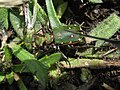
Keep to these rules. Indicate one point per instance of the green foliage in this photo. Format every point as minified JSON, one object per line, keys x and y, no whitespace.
{"x":7,"y":53}
{"x":17,"y":22}
{"x":59,"y":29}
{"x":106,"y":28}
{"x":41,"y":18}
{"x":36,"y":67}
{"x":31,"y":64}
{"x":50,"y":60}
{"x":32,"y":39}
{"x":21,"y":53}
{"x":3,"y":18}
{"x":54,"y":21}
{"x":10,"y":77}
{"x":39,"y":70}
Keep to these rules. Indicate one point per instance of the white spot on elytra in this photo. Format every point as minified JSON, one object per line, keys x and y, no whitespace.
{"x":71,"y":36}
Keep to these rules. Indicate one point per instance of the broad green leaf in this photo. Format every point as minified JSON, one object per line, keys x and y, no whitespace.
{"x":106,"y":29}
{"x":50,"y":60}
{"x":39,"y":70}
{"x":21,"y":53}
{"x":96,"y":1}
{"x":7,"y":53}
{"x":1,"y":77}
{"x":3,"y":18}
{"x":36,"y":67}
{"x":17,"y":22}
{"x":61,"y":9}
{"x":10,"y":77}
{"x":54,"y":21}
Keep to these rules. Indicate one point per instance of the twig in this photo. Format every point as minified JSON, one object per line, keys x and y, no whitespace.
{"x":87,"y":63}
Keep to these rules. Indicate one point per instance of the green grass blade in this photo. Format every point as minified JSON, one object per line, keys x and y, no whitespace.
{"x":41,"y":18}
{"x":35,"y":11}
{"x":54,"y":21}
{"x":42,"y":15}
{"x":17,"y":22}
{"x":21,"y":53}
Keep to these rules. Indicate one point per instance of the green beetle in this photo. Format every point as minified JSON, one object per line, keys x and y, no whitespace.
{"x":62,"y":36}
